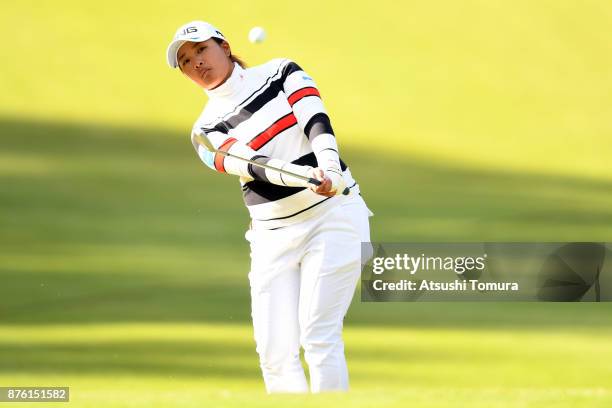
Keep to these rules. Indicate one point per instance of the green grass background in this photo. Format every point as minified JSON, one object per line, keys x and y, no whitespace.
{"x":122,"y":261}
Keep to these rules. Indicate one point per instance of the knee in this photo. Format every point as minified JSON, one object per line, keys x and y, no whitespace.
{"x":319,"y":351}
{"x":275,"y":360}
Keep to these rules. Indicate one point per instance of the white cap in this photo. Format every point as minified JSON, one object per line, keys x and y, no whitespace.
{"x":195,"y":31}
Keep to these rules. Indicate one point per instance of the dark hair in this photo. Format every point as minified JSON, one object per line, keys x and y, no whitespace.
{"x":233,"y":57}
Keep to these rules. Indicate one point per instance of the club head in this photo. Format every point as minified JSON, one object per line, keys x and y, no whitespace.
{"x":203,"y":140}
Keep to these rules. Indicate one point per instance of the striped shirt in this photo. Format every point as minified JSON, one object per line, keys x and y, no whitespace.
{"x":271,"y":110}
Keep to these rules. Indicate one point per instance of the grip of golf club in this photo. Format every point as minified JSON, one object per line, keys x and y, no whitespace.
{"x":314,"y":181}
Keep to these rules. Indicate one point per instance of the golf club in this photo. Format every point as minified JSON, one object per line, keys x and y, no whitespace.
{"x":203,"y":140}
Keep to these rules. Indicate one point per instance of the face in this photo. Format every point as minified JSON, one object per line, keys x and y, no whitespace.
{"x":206,"y":63}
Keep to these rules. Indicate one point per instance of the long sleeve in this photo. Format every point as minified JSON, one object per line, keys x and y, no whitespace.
{"x":231,"y":165}
{"x":305,"y":100}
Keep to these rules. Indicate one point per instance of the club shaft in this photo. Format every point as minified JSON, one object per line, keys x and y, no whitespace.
{"x":265,"y":166}
{"x":205,"y":142}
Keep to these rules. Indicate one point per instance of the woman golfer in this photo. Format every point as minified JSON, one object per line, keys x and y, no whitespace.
{"x":305,"y":239}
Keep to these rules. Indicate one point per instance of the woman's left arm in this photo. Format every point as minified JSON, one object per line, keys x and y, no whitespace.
{"x":305,"y":100}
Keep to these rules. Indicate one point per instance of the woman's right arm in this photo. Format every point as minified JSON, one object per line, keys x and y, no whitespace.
{"x":230,"y":165}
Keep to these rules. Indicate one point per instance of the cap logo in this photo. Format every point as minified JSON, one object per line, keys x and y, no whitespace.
{"x":189,"y":30}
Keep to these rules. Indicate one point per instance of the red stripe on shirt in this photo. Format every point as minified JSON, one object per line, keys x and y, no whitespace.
{"x":264,"y":137}
{"x":302,"y":93}
{"x":219,"y":158}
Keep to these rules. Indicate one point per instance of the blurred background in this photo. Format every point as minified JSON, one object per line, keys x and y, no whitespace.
{"x":123,"y":266}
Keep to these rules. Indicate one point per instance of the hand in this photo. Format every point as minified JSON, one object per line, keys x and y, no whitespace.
{"x":325,"y":189}
{"x":337,"y":179}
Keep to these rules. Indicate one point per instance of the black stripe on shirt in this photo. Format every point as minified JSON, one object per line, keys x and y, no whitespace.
{"x":298,"y":212}
{"x":305,"y":209}
{"x":318,"y":124}
{"x":258,"y":173}
{"x":289,"y":69}
{"x":311,"y":160}
{"x":256,"y":104}
{"x":259,"y":192}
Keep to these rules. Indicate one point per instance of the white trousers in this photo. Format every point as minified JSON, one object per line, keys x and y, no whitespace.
{"x":302,"y":281}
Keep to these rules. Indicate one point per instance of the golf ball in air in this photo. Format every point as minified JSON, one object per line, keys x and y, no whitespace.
{"x":257,"y":35}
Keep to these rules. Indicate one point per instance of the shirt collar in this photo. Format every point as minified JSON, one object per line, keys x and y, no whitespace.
{"x":232,"y":85}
